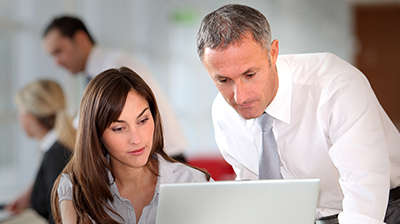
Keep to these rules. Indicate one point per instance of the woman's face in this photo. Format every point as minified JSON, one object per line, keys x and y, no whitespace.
{"x":28,"y":122}
{"x":129,"y":139}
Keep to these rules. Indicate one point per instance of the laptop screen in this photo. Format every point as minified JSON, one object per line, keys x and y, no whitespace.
{"x":238,"y":202}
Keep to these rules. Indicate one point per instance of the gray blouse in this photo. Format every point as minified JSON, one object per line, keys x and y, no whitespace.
{"x":168,"y":173}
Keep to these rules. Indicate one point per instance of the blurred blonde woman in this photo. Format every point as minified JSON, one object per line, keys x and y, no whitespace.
{"x":42,"y":113}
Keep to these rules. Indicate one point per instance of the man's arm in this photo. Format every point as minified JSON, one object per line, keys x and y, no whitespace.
{"x":220,"y":117}
{"x":358,"y":151}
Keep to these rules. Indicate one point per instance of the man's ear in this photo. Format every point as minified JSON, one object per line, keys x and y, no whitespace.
{"x":80,"y":37}
{"x":274,"y":51}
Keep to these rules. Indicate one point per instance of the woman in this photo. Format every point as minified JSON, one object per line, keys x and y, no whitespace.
{"x":119,"y":160}
{"x":41,"y":108}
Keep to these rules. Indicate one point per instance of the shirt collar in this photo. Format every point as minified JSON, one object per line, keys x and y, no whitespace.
{"x":92,"y":64}
{"x":113,"y":188}
{"x":47,"y":141}
{"x":280,"y":107}
{"x":165,"y":175}
{"x":165,"y":171}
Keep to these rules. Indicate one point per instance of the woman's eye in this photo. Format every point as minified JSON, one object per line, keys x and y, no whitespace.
{"x":117,"y":129}
{"x":143,"y":121}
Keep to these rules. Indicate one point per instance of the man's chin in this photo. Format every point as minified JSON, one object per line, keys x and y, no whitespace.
{"x":248,"y":113}
{"x":72,"y":71}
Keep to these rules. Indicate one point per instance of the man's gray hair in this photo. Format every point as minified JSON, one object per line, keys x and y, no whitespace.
{"x":229,"y":24}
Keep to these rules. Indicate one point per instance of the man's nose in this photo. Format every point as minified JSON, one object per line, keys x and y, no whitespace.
{"x":58,"y":61}
{"x":240,"y":92}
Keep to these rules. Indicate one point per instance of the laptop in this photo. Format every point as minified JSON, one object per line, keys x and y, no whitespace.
{"x":4,"y":215}
{"x":238,"y":202}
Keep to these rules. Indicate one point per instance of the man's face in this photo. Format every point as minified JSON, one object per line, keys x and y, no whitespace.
{"x":244,"y":75}
{"x":65,"y":51}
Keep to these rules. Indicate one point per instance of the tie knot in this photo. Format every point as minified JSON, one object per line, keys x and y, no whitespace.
{"x":265,"y":122}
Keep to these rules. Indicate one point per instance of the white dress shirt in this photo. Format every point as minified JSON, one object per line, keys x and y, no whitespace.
{"x":328,"y":125}
{"x":44,"y":145}
{"x":101,"y":59}
{"x":47,"y":141}
{"x":168,"y":173}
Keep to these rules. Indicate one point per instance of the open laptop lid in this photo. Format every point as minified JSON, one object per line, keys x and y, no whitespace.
{"x":238,"y":202}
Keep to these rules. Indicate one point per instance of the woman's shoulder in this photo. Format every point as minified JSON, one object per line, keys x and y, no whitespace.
{"x":176,"y":172}
{"x":185,"y":173}
{"x":64,"y":189}
{"x":65,"y":179}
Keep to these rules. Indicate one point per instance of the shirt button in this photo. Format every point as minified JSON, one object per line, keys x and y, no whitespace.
{"x":281,"y":164}
{"x":322,"y":209}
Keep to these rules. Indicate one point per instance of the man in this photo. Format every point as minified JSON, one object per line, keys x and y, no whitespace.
{"x":72,"y":47}
{"x":326,"y":121}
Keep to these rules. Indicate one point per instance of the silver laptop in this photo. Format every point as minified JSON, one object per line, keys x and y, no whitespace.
{"x":4,"y":215}
{"x":238,"y":202}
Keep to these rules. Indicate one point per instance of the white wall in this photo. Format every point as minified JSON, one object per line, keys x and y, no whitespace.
{"x":161,"y":33}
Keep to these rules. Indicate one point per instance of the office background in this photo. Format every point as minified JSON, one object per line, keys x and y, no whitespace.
{"x":162,"y":35}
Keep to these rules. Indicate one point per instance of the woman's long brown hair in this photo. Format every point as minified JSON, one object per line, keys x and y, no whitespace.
{"x":102,"y":104}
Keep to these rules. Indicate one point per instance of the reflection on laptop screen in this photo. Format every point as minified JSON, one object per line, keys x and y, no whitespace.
{"x":234,"y":202}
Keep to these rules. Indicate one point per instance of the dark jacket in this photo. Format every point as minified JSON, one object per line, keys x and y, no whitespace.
{"x":54,"y":161}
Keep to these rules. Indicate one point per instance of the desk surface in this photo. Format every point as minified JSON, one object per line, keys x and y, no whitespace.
{"x":29,"y":216}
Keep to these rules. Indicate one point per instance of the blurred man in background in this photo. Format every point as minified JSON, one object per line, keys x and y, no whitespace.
{"x":69,"y":42}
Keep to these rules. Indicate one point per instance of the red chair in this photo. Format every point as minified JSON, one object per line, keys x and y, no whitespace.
{"x":215,"y":165}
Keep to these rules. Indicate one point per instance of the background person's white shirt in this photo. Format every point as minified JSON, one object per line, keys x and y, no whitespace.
{"x":44,"y":145}
{"x":329,"y":125}
{"x":101,"y":59}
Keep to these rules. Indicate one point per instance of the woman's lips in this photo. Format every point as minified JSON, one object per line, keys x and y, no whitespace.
{"x":137,"y":152}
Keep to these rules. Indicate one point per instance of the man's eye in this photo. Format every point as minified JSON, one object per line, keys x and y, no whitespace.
{"x":250,"y":75}
{"x":223,"y":80}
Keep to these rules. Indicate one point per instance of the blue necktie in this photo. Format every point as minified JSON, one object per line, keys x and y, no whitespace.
{"x":269,"y":166}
